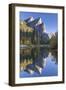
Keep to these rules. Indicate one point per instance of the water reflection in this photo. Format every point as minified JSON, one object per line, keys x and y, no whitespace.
{"x":35,"y":62}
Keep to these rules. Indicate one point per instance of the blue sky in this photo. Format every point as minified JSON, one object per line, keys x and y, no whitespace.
{"x":49,"y":19}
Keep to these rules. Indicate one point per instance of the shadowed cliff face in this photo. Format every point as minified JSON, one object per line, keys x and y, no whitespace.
{"x":37,"y":58}
{"x":32,"y":31}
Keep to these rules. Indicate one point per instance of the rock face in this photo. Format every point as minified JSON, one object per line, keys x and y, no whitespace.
{"x":36,"y":24}
{"x":30,"y":19}
{"x":33,"y":31}
{"x":32,"y":23}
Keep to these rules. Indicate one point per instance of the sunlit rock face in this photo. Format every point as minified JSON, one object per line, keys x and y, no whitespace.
{"x":33,"y":29}
{"x":30,"y":19}
{"x":35,"y":23}
{"x":39,"y":21}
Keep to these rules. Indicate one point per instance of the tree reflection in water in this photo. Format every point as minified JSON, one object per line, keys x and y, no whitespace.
{"x":34,"y":60}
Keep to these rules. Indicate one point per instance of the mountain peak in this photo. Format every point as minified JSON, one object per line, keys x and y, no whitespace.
{"x":39,"y":21}
{"x":36,"y":23}
{"x":30,"y":19}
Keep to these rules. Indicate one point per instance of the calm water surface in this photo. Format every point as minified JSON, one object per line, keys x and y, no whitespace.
{"x":38,"y":62}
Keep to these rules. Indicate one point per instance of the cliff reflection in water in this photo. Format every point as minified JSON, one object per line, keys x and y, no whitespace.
{"x":35,"y":62}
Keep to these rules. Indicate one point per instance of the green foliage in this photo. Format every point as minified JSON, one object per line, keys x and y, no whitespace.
{"x":31,"y":36}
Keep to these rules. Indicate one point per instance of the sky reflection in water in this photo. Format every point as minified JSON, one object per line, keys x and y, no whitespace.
{"x":38,"y":62}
